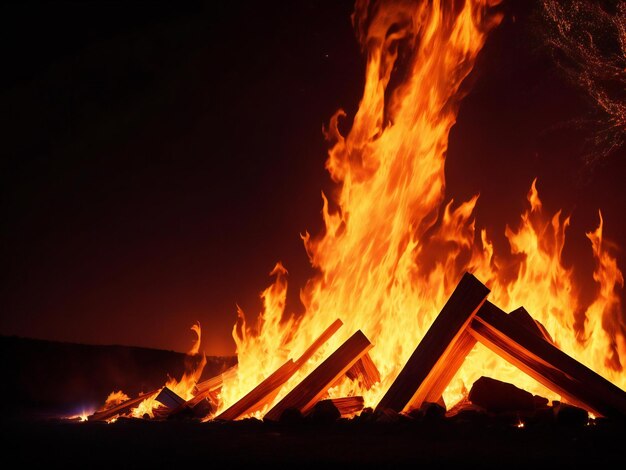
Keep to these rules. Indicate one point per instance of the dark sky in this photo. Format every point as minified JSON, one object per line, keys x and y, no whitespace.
{"x":158,"y":159}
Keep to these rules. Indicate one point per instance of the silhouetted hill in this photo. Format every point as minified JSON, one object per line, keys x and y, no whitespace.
{"x":48,"y":378}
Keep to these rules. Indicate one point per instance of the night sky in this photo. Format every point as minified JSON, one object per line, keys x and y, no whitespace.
{"x":159,"y":159}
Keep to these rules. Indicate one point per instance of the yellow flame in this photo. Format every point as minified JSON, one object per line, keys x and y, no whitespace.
{"x":394,"y":250}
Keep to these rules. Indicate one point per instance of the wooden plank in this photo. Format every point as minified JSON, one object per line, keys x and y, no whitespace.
{"x":315,"y":385}
{"x":365,"y":371}
{"x":122,"y":408}
{"x":214,"y":383}
{"x":456,"y":357}
{"x":323,"y":338}
{"x":440,"y":353}
{"x":169,"y":398}
{"x":547,"y":364}
{"x":268,"y":389}
{"x":347,"y":406}
{"x":250,"y":402}
{"x":205,"y":395}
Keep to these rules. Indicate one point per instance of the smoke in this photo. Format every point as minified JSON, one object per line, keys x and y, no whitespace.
{"x":587,"y":39}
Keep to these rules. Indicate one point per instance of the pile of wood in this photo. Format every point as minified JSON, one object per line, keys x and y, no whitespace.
{"x":466,"y":318}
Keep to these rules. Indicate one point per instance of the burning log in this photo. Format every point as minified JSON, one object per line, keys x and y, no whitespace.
{"x":440,"y":353}
{"x":267,"y":390}
{"x":366,"y":371}
{"x":547,"y":364}
{"x":122,"y":408}
{"x":169,"y":398}
{"x":304,"y":396}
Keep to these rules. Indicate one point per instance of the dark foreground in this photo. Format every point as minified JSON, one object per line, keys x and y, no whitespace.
{"x":149,"y":444}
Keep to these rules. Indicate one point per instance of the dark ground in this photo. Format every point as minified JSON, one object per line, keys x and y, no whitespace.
{"x":157,"y":444}
{"x":44,"y":380}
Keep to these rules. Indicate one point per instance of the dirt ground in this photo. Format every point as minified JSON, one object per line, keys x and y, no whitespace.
{"x":143,"y":444}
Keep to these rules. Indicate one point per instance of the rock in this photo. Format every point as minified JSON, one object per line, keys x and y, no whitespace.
{"x":291,"y":416}
{"x":324,"y":412}
{"x":540,"y":402}
{"x":466,"y":412}
{"x":499,"y":397}
{"x":570,"y":415}
{"x":365,"y":416}
{"x":429,"y":412}
{"x":386,"y":416}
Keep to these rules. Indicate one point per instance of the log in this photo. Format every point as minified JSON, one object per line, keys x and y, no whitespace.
{"x":365,"y":371}
{"x":268,"y":389}
{"x":440,"y":353}
{"x":547,"y":364}
{"x":304,"y":396}
{"x":122,"y":408}
{"x":169,"y":398}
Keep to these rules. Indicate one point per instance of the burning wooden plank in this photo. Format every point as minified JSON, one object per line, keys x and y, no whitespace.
{"x":203,"y":401}
{"x":255,"y":398}
{"x":267,"y":390}
{"x":122,"y":408}
{"x":547,"y":364}
{"x":214,"y":383}
{"x":347,"y":406}
{"x":325,"y":336}
{"x":313,"y":387}
{"x":169,"y":398}
{"x":440,"y":353}
{"x":366,"y":371}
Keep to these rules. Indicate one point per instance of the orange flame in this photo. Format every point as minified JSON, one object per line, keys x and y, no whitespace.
{"x":390,"y":256}
{"x":184,"y":387}
{"x":114,"y":399}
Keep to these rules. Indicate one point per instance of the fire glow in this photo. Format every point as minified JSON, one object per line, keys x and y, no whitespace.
{"x":394,"y":248}
{"x":392,"y":253}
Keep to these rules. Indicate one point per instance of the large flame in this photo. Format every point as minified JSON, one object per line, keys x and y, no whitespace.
{"x":394,"y":250}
